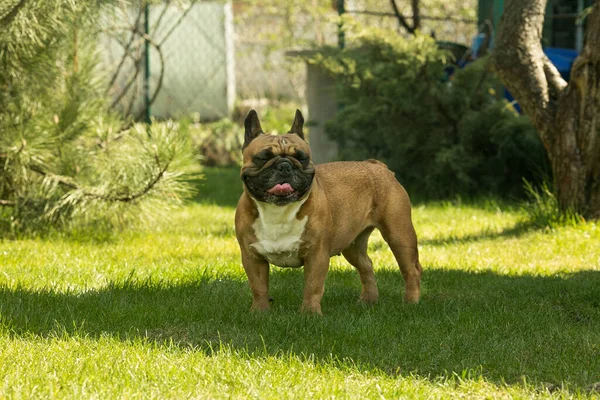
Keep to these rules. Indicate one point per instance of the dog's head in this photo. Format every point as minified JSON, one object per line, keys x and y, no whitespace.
{"x":276,"y":169}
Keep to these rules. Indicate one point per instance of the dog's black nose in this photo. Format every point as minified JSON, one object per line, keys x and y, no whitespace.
{"x":284,"y":166}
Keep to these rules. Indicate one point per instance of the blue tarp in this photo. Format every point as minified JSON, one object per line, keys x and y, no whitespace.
{"x":562,"y":59}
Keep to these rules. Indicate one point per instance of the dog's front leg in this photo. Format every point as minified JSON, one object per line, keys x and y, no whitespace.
{"x":315,"y":272}
{"x":257,"y":270}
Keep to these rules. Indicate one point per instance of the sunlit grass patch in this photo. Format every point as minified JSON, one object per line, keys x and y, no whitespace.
{"x":508,"y":311}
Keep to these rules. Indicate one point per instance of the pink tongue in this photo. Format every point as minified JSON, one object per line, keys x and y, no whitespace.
{"x":281,"y":189}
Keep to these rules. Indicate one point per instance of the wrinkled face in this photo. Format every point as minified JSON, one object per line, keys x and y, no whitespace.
{"x":277,"y":169}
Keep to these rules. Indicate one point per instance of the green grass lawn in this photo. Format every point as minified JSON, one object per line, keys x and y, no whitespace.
{"x":507,"y":311}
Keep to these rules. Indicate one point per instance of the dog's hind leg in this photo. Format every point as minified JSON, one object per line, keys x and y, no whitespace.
{"x":398,"y":231}
{"x":356,"y":254}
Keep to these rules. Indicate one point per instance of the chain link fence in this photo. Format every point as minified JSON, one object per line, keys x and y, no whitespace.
{"x":171,"y":60}
{"x":451,"y":21}
{"x":205,"y":55}
{"x":263,"y":70}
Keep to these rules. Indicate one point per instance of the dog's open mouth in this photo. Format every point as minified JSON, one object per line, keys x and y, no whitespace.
{"x":281,"y":190}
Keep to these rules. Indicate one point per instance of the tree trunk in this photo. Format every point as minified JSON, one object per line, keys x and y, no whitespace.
{"x":566,"y":116}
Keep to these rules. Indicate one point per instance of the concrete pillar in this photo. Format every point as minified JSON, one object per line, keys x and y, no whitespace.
{"x":322,"y":106}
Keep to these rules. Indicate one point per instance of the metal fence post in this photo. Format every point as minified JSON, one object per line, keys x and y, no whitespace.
{"x":341,"y":35}
{"x":147,"y":63}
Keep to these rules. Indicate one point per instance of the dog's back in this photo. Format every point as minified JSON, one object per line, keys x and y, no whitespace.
{"x":371,"y":180}
{"x":361,"y":194}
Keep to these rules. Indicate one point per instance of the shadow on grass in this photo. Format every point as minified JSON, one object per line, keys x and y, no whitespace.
{"x":543,"y":329}
{"x":516,"y":231}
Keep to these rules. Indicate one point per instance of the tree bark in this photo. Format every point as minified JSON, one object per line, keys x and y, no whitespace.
{"x":565,"y":115}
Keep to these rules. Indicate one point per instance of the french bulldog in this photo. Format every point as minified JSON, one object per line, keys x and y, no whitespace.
{"x":293,"y":213}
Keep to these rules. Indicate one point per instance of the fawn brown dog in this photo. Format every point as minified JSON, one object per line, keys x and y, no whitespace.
{"x":293,"y":213}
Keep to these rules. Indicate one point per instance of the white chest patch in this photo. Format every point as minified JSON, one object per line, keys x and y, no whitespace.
{"x":278,"y":233}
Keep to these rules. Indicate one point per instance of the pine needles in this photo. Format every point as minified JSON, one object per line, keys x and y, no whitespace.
{"x":64,"y":156}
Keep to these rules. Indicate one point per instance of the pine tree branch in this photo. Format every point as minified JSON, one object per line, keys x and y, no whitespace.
{"x":124,"y":198}
{"x":62,"y":180}
{"x":131,"y":197}
{"x":8,"y":18}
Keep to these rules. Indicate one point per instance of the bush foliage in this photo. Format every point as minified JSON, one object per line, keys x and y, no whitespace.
{"x":442,"y":137}
{"x":217,"y":144}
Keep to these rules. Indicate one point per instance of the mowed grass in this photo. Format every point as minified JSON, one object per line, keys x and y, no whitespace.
{"x":507,"y":311}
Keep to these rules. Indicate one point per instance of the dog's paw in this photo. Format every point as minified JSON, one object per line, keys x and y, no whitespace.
{"x":263,"y":306}
{"x":369,"y":297}
{"x":412,"y":296}
{"x":308,"y":308}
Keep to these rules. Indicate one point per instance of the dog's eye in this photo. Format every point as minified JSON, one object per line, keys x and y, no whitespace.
{"x":263,"y":156}
{"x":301,"y":156}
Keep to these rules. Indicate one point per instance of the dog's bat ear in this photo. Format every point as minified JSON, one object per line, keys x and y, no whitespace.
{"x":252,"y":126}
{"x":298,"y":124}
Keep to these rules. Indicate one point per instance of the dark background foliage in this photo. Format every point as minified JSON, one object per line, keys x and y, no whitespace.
{"x":442,"y":135}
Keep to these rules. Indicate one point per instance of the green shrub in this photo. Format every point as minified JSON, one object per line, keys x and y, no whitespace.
{"x":543,"y":209}
{"x":277,"y":118}
{"x":441,"y":137}
{"x":217,"y":144}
